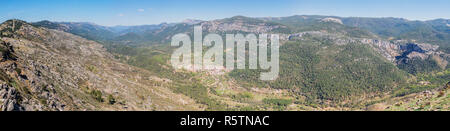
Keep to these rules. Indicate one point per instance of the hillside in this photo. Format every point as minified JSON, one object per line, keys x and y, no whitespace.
{"x":44,"y":69}
{"x":87,"y":30}
{"x":319,"y":69}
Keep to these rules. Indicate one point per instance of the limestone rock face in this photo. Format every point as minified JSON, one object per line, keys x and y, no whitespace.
{"x":8,"y":98}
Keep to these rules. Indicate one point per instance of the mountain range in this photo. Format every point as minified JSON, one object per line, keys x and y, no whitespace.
{"x":327,"y":63}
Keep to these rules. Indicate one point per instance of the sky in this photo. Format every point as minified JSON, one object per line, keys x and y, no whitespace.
{"x":141,"y":12}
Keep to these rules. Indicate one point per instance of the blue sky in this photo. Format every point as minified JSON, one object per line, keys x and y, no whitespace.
{"x":139,"y":12}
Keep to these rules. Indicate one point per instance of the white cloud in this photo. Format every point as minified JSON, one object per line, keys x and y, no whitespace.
{"x":141,"y":10}
{"x":120,"y":15}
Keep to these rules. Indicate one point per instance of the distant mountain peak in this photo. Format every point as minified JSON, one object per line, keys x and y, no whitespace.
{"x":239,"y":16}
{"x":13,"y":22}
{"x":17,"y":28}
{"x":191,"y":21}
{"x":52,"y":25}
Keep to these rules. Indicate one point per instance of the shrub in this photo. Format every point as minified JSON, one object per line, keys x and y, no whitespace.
{"x":92,"y":68}
{"x":278,"y":102}
{"x":441,"y":94}
{"x":111,"y":100}
{"x":97,"y":95}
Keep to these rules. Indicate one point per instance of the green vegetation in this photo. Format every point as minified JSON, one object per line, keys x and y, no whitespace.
{"x":91,"y":68}
{"x":320,"y":70}
{"x":97,"y":95}
{"x":111,"y":100}
{"x":200,"y":94}
{"x":425,"y":81}
{"x":43,"y":101}
{"x":279,"y":104}
{"x":244,"y":96}
{"x":438,"y":100}
{"x":413,"y":89}
{"x":417,"y":65}
{"x":155,"y":59}
{"x":438,"y":78}
{"x":19,"y":71}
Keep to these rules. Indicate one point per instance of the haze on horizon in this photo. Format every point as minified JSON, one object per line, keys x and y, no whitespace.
{"x":139,"y":12}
